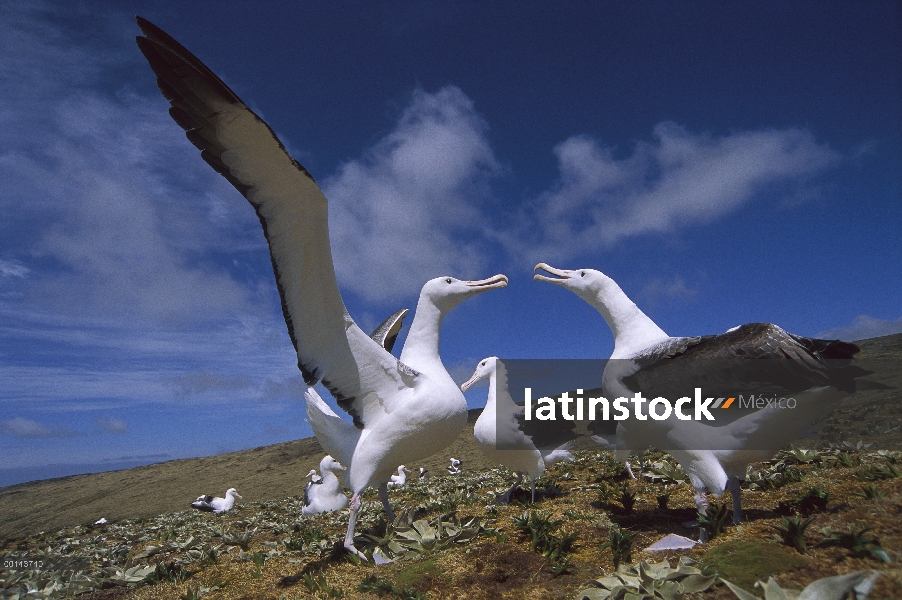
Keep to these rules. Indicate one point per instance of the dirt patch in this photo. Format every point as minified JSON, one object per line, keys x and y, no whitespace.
{"x":501,"y":569}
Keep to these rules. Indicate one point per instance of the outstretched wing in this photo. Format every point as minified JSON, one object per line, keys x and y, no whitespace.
{"x":294,"y":214}
{"x":777,"y":363}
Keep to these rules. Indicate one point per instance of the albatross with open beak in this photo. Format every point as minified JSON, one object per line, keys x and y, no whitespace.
{"x":816,"y":373}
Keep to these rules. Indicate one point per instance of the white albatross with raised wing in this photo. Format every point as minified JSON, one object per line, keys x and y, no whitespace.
{"x":816,"y":372}
{"x":404,"y":409}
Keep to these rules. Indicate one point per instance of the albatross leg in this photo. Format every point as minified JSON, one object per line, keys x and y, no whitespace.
{"x":533,"y":480}
{"x":629,"y":469}
{"x":352,"y":523}
{"x":701,"y":502}
{"x":506,"y":496}
{"x":733,"y":484}
{"x":383,"y":495}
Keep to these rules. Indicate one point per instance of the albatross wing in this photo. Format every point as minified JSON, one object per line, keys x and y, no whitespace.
{"x":293,"y":211}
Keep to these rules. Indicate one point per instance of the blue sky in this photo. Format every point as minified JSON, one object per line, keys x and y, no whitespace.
{"x":725,"y":162}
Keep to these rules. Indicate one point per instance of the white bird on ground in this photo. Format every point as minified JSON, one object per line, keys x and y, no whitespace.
{"x":217,"y":505}
{"x":424,"y":473}
{"x":454,"y":467}
{"x":324,"y":494}
{"x":404,"y":410}
{"x":314,"y":477}
{"x":498,"y":434}
{"x":399,"y":479}
{"x":815,"y":372}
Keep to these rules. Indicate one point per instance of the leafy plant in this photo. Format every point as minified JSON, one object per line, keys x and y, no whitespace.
{"x":800,"y":456}
{"x":562,"y":568}
{"x":621,"y":545}
{"x":668,"y":472}
{"x":539,"y":528}
{"x":258,"y":558}
{"x":793,"y":532}
{"x":855,"y":541}
{"x":714,"y":521}
{"x":890,"y":471}
{"x":383,"y":587}
{"x":664,"y":497}
{"x":170,"y":571}
{"x":627,"y":498}
{"x":318,"y":586}
{"x":650,"y":581}
{"x":409,"y":535}
{"x":847,"y":460}
{"x":191,"y":594}
{"x":858,"y":584}
{"x":380,"y":587}
{"x":814,"y":500}
{"x":871,"y":492}
{"x":242,"y":540}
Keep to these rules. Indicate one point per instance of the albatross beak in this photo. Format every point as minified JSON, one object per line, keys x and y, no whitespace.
{"x":496,"y":281}
{"x":469,"y":382}
{"x":561,"y":273}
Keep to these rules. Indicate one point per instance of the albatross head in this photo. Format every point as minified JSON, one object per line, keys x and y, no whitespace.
{"x":447,"y":292}
{"x":485,"y":368}
{"x":588,"y":284}
{"x":233,"y":492}
{"x":330,"y":464}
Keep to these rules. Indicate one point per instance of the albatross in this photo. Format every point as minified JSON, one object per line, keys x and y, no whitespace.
{"x":403,"y":409}
{"x":498,"y":434}
{"x":401,"y":478}
{"x":324,"y":494}
{"x":217,"y":505}
{"x":815,"y":372}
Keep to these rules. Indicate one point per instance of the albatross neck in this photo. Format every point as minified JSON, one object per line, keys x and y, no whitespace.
{"x":633,"y":330}
{"x":421,"y":348}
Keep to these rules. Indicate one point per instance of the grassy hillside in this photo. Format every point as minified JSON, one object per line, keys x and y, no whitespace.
{"x":264,"y":548}
{"x":264,"y":473}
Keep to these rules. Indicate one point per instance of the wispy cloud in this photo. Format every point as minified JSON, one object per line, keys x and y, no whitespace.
{"x":12,"y":268}
{"x":108,"y":424}
{"x":863,"y":327}
{"x":674,"y":288}
{"x":112,"y":286}
{"x":407,"y":211}
{"x":20,"y":427}
{"x":676,"y":180}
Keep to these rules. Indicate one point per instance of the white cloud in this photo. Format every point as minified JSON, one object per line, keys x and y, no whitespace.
{"x":406,"y":212}
{"x":863,"y":327}
{"x":672,"y":289}
{"x":12,"y":268}
{"x":26,"y":428}
{"x":113,"y":287}
{"x":109,"y":424}
{"x":678,"y":179}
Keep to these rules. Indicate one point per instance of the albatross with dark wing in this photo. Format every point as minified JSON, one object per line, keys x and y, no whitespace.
{"x":216,"y":505}
{"x":817,"y":373}
{"x":406,"y":409}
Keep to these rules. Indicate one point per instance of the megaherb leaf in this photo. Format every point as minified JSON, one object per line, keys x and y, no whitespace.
{"x":649,"y":581}
{"x":420,"y":536}
{"x":840,"y":587}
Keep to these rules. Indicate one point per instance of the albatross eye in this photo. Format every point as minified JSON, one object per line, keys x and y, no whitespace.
{"x":448,"y":280}
{"x":582,"y":273}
